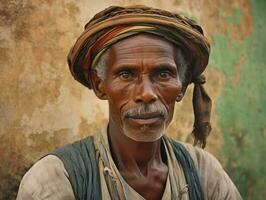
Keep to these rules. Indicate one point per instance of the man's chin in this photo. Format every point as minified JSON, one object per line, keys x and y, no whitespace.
{"x":144,"y":133}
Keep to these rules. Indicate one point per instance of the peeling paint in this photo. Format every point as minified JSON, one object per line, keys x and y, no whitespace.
{"x":63,"y":113}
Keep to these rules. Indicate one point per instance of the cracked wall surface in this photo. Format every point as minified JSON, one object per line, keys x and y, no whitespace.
{"x":42,"y":107}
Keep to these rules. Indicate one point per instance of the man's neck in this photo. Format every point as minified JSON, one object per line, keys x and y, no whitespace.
{"x":139,"y":163}
{"x":133,"y":156}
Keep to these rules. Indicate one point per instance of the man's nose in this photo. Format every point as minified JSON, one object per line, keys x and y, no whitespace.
{"x":145,"y":91}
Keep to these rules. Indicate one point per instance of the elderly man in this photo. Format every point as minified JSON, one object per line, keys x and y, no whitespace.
{"x":141,"y":61}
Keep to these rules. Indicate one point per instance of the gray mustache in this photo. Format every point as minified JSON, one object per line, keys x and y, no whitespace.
{"x":144,"y":110}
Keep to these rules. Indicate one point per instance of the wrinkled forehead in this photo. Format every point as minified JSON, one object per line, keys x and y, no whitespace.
{"x":142,"y":39}
{"x":143,"y":46}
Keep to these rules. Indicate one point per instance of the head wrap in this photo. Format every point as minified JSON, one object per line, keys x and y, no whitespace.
{"x":116,"y":23}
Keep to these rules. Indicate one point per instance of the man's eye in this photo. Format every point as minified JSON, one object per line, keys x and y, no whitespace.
{"x":125,"y":75}
{"x":164,"y":75}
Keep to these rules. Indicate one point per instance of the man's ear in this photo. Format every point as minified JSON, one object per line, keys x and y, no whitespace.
{"x":98,"y":85}
{"x":185,"y":83}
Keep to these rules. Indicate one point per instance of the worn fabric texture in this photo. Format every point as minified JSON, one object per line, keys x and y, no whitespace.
{"x":116,"y":23}
{"x":80,"y":162}
{"x":182,"y":175}
{"x":49,"y":179}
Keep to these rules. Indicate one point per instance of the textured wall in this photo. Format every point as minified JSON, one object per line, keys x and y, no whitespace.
{"x":42,"y":107}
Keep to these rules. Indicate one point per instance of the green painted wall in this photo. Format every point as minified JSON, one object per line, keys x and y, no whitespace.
{"x":242,"y":104}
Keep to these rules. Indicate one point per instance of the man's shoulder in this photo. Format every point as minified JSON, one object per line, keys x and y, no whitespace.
{"x":77,"y":146}
{"x":79,"y":156}
{"x":47,"y":177}
{"x":205,"y":163}
{"x":198,"y":155}
{"x":55,"y":173}
{"x":215,"y":182}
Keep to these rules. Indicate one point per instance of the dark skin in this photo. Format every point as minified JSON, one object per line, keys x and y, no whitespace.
{"x":141,"y":69}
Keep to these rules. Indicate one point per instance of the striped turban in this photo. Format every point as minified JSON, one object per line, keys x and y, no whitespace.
{"x":116,"y":23}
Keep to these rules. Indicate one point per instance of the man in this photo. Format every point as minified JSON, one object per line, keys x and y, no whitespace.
{"x":141,"y":61}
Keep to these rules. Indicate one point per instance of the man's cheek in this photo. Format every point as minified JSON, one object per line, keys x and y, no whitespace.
{"x":168,"y":100}
{"x":117,"y":105}
{"x":169,"y":92}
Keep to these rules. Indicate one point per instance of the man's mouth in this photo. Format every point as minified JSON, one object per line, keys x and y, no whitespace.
{"x":148,"y":119}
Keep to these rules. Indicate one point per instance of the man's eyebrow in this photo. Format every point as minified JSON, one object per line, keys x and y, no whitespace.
{"x":164,"y":66}
{"x":160,"y":66}
{"x":120,"y":68}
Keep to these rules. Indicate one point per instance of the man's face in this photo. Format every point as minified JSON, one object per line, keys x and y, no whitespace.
{"x":141,"y":86}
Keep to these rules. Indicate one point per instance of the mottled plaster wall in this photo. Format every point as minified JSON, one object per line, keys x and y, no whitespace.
{"x":42,"y":107}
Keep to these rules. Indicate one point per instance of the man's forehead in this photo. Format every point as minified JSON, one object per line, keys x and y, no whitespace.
{"x":143,"y":40}
{"x":142,"y":48}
